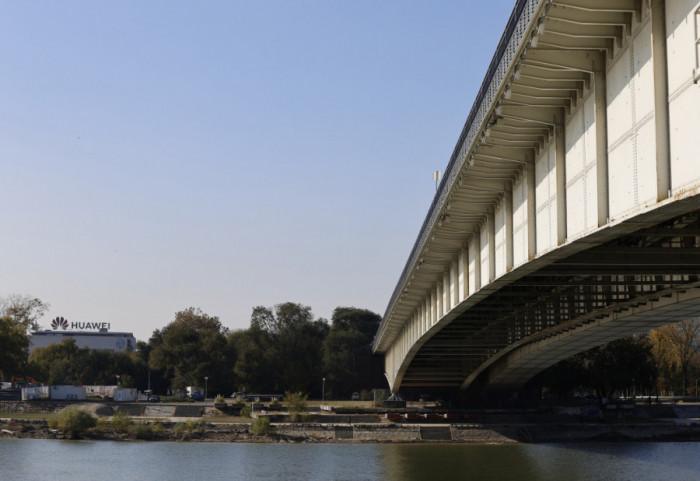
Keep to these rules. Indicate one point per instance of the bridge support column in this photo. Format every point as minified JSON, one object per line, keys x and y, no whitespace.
{"x":477,"y":260}
{"x":454,"y":281}
{"x":601,"y":140}
{"x":560,"y":166}
{"x":464,"y":266}
{"x":446,"y":291}
{"x":492,"y":244}
{"x":531,"y":212}
{"x":508,"y":197}
{"x":661,"y":116}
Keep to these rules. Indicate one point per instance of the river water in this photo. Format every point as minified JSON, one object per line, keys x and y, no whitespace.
{"x":48,"y":460}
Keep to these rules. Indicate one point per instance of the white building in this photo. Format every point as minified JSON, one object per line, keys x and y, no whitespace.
{"x":110,"y":341}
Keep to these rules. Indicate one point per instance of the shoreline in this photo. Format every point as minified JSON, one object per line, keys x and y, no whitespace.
{"x":208,"y":431}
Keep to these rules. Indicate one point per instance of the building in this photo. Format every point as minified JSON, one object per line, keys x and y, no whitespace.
{"x":110,"y":341}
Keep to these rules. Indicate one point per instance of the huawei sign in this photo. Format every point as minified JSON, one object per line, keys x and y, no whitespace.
{"x":59,"y":322}
{"x":62,"y":323}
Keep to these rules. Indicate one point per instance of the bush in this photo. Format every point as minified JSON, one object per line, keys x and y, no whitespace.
{"x":245,"y":411}
{"x":296,"y":402}
{"x":121,"y":422}
{"x":239,"y":400}
{"x":75,"y":421}
{"x":143,"y":431}
{"x":261,"y":427}
{"x":189,"y":427}
{"x":219,"y":400}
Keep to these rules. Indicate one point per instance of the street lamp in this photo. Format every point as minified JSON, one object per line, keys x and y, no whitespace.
{"x":323,"y":390}
{"x":118,"y":376}
{"x":206,"y":381}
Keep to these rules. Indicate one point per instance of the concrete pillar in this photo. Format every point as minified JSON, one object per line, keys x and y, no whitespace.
{"x":465,"y":273}
{"x":659,"y":60}
{"x":446,"y":298}
{"x":491,"y":224}
{"x":531,"y":211}
{"x":454,"y":280}
{"x":601,"y":142}
{"x":560,"y":162}
{"x":477,"y":260}
{"x":508,"y":197}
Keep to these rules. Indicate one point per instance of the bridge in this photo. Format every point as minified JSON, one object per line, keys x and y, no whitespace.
{"x":569,"y":212}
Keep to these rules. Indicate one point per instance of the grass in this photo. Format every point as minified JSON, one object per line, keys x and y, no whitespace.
{"x":33,"y":416}
{"x":346,"y":404}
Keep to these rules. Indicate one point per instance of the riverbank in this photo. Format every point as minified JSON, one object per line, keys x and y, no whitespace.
{"x":202,"y":431}
{"x":188,"y":422}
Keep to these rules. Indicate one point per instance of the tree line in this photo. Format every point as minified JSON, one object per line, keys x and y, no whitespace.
{"x":663,"y":361}
{"x":286,"y":348}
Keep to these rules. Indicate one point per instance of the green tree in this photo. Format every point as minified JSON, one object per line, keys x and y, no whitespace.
{"x":18,"y":316}
{"x":349,"y":364}
{"x":282,"y":350}
{"x":193,"y":346}
{"x":14,"y":344}
{"x":254,"y":369}
{"x":608,"y":369}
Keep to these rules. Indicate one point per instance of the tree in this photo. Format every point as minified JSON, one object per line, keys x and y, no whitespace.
{"x":18,"y":316}
{"x":348,"y":358}
{"x":282,"y":350}
{"x":678,"y":343}
{"x":607,"y":369}
{"x":14,"y":344}
{"x":24,"y":310}
{"x":255,"y":370}
{"x":56,"y":363}
{"x":620,"y":364}
{"x":191,"y":347}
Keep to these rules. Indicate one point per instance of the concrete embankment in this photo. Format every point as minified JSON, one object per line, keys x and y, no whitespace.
{"x":383,"y":433}
{"x":667,"y":423}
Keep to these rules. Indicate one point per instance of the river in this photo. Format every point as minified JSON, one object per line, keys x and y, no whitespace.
{"x":50,"y":460}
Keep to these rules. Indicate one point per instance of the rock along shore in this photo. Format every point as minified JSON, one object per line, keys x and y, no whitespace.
{"x":369,"y":433}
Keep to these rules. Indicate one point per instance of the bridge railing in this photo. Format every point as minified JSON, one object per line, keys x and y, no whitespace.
{"x":515,"y":31}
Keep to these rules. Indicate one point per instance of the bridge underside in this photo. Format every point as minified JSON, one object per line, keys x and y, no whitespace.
{"x":631,"y":272}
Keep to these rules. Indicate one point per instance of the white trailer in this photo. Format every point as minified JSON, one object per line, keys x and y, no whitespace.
{"x":35,"y":392}
{"x":125,"y":394}
{"x":67,"y":393}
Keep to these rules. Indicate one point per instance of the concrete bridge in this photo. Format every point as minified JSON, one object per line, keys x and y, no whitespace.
{"x":569,"y":213}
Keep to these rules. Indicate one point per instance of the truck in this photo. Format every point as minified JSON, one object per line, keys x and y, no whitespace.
{"x":196,"y":393}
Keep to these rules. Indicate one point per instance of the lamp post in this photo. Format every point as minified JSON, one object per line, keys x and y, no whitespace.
{"x":206,"y":382}
{"x":118,"y":376}
{"x":323,"y":390}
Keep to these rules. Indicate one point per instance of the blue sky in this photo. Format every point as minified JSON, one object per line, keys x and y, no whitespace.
{"x":225,"y":154}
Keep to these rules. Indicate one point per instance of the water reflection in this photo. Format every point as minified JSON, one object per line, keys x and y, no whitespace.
{"x":420,"y":462}
{"x":572,"y":462}
{"x":63,"y":461}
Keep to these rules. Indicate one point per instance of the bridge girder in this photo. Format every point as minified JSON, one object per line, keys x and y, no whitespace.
{"x":561,"y":59}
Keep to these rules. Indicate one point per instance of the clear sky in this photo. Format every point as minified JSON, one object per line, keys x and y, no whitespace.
{"x":156,"y":155}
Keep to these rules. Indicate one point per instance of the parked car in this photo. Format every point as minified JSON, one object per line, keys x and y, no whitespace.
{"x":154,"y":398}
{"x":356,"y":396}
